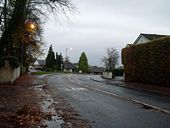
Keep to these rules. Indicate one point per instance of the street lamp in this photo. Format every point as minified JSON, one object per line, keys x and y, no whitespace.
{"x":32,"y":26}
{"x":66,"y":57}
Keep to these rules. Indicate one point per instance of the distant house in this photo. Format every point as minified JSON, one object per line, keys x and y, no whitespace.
{"x":145,"y":38}
{"x":96,"y":70}
{"x":69,"y":67}
{"x":39,"y":64}
{"x":128,"y":45}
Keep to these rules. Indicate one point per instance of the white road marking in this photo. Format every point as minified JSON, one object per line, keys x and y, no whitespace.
{"x":72,"y":81}
{"x":124,"y":98}
{"x":72,"y":89}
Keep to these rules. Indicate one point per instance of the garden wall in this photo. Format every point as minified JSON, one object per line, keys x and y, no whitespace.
{"x":107,"y":75}
{"x":148,"y":63}
{"x":8,"y":75}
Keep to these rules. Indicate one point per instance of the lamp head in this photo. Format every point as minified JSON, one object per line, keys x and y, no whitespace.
{"x":32,"y":26}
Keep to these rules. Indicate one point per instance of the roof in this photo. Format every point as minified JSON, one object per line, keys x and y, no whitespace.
{"x":149,"y":37}
{"x":152,"y":36}
{"x":95,"y":69}
{"x":69,"y":65}
{"x":41,"y":62}
{"x":129,"y":45}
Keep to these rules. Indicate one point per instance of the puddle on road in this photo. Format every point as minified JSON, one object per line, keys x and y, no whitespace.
{"x":47,"y":106}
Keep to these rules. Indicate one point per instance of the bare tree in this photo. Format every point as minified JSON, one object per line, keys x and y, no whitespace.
{"x":15,"y":35}
{"x":46,"y":7}
{"x":111,"y":58}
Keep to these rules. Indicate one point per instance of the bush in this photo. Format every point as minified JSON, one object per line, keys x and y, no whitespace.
{"x":13,"y":61}
{"x":148,"y":63}
{"x":109,"y":70}
{"x":2,"y":61}
{"x":118,"y":72}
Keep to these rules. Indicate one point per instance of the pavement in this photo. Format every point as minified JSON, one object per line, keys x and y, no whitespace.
{"x":28,"y":103}
{"x":119,"y":81}
{"x":19,"y":104}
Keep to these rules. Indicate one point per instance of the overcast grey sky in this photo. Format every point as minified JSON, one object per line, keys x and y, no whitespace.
{"x":99,"y":24}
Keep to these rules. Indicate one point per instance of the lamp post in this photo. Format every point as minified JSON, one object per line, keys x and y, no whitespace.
{"x":30,"y":28}
{"x":66,"y":57}
{"x":30,"y":25}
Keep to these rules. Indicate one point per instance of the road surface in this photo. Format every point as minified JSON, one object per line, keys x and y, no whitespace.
{"x":109,"y":106}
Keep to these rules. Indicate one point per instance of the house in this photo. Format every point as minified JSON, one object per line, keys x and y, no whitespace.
{"x":39,"y":64}
{"x":96,"y":70}
{"x":145,"y":38}
{"x":69,"y":67}
{"x":128,"y":45}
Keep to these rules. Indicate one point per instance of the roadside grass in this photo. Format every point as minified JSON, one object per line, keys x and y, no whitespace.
{"x":54,"y":72}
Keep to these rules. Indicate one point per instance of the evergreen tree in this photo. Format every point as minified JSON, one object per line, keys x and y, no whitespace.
{"x":57,"y":62}
{"x":50,"y":60}
{"x":60,"y":61}
{"x":83,"y":63}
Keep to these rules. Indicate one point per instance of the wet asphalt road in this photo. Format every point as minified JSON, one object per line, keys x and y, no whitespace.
{"x":108,"y":106}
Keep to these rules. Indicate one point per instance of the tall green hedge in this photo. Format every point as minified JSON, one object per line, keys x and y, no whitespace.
{"x":148,"y":63}
{"x":118,"y":72}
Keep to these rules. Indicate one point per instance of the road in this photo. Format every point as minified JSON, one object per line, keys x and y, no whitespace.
{"x":109,"y":106}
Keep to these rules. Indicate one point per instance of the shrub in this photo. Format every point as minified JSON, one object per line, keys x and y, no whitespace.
{"x":2,"y":61}
{"x":13,"y":61}
{"x":118,"y":72}
{"x":148,"y":63}
{"x":109,"y":70}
